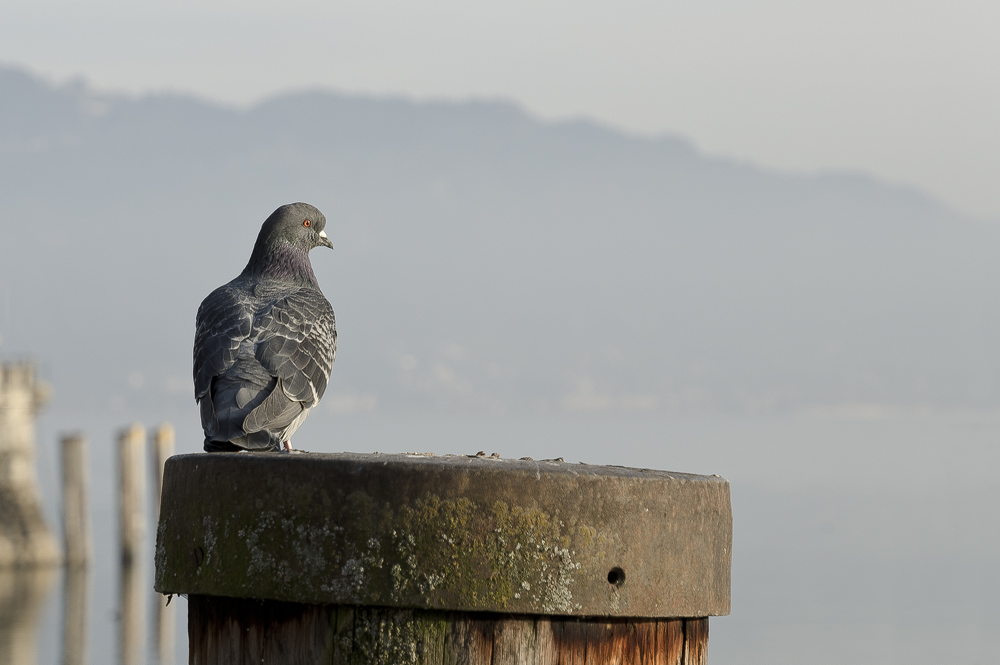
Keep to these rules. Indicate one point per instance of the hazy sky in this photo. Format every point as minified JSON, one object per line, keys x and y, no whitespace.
{"x":908,"y":90}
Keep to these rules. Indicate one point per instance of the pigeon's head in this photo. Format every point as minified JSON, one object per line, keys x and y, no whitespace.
{"x":282,"y":248}
{"x":297,"y":224}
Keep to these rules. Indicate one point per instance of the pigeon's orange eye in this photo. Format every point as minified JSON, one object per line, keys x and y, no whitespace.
{"x":306,"y":223}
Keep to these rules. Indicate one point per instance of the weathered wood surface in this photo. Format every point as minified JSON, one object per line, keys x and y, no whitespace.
{"x":451,"y":532}
{"x":228,"y":631}
{"x":131,"y":492}
{"x":76,"y":501}
{"x":696,"y":634}
{"x":442,"y":560}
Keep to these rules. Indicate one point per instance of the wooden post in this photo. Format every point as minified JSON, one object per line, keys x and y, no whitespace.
{"x":76,"y":503}
{"x":415,"y":558}
{"x":163,"y":614}
{"x":78,"y":546}
{"x":131,"y":489}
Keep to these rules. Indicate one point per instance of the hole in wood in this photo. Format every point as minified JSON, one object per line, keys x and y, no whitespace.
{"x":198,"y":555}
{"x":616,"y":576}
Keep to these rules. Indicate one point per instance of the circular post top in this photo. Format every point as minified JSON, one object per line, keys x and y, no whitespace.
{"x":448,"y":532}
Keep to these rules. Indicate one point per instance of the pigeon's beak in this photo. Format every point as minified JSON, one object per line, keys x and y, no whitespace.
{"x":323,"y":240}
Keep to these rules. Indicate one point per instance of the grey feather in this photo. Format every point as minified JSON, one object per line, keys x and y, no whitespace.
{"x":265,"y":343}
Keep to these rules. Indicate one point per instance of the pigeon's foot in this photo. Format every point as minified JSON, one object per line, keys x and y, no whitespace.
{"x":288,"y":446}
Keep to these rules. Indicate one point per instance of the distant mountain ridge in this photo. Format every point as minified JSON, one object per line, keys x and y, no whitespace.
{"x":485,"y":261}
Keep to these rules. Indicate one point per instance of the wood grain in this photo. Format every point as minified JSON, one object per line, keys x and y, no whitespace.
{"x":469,"y":640}
{"x":645,"y":650}
{"x":696,"y":641}
{"x":570,"y":641}
{"x":513,"y":640}
{"x":670,"y":640}
{"x":228,"y":631}
{"x":545,"y":646}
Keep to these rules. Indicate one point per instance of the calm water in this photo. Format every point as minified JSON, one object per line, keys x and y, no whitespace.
{"x":861,"y":536}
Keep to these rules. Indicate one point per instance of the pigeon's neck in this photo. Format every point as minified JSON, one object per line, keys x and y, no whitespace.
{"x":285,"y":262}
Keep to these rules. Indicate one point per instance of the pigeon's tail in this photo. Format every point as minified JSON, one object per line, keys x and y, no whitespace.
{"x":221,"y":447}
{"x":230,"y":398}
{"x":258,"y":441}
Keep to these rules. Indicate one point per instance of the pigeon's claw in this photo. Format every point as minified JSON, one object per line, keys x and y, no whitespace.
{"x":288,"y":446}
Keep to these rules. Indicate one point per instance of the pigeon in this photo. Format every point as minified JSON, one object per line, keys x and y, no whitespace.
{"x":265,"y":342}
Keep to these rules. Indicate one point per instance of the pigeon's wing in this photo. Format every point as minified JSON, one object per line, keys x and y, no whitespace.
{"x":274,"y":413}
{"x":223,"y":322}
{"x":298,"y":343}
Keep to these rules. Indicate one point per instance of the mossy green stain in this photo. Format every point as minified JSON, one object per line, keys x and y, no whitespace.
{"x":448,"y":550}
{"x":363,"y":636}
{"x":349,"y":529}
{"x":438,"y":551}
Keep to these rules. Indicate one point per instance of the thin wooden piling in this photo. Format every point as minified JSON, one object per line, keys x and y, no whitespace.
{"x":131,"y":492}
{"x":78,"y":548}
{"x":76,"y":501}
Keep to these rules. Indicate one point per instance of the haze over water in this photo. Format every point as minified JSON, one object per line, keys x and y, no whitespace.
{"x":868,"y":539}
